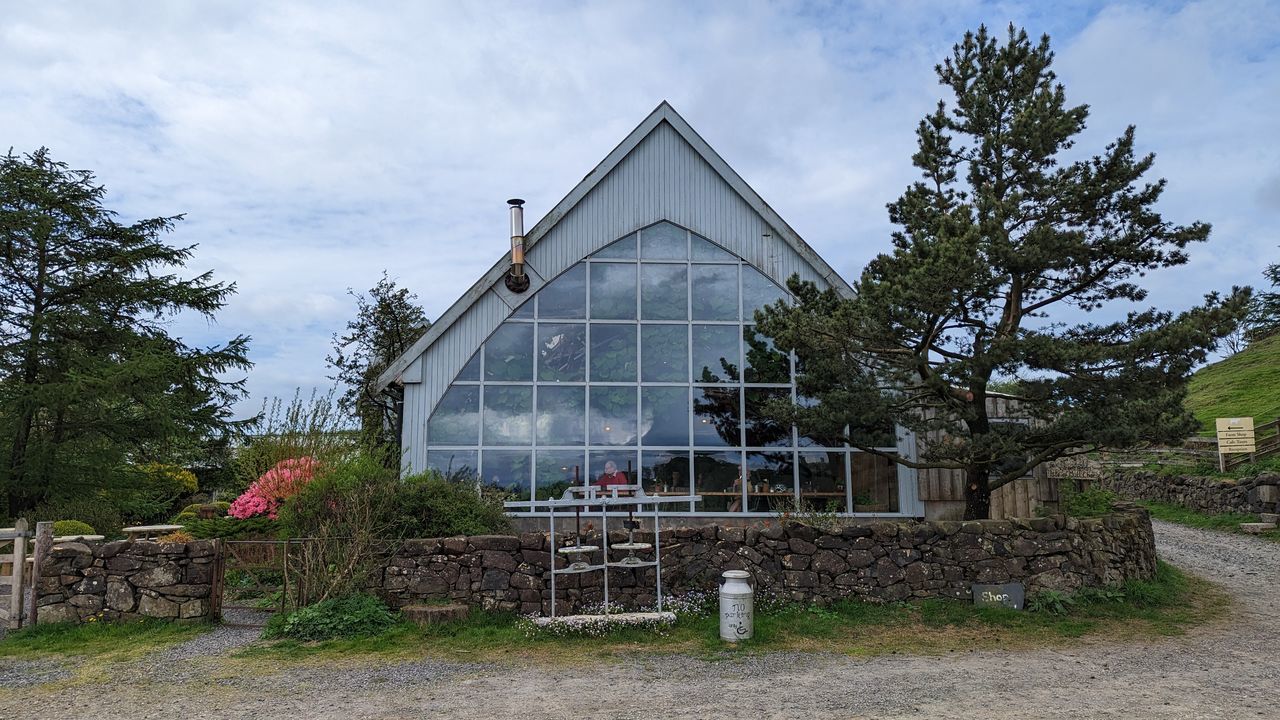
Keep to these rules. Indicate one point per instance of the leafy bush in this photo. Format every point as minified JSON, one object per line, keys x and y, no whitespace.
{"x":1085,"y":503}
{"x":72,"y":527}
{"x":431,"y":506}
{"x":95,"y":512}
{"x":1051,"y":602}
{"x":315,"y":427}
{"x":349,"y":616}
{"x":284,"y":480}
{"x":229,"y":528}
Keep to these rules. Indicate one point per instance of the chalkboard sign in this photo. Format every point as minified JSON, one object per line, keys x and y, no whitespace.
{"x":1009,"y":595}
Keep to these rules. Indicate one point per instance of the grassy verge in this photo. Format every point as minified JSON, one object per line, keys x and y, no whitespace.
{"x":1166,"y":605}
{"x":100,"y":640}
{"x":1228,"y":522}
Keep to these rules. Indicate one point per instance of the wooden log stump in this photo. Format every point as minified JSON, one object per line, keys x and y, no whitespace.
{"x":434,"y":614}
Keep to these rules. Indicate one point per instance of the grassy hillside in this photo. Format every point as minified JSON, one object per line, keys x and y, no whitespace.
{"x":1245,"y":384}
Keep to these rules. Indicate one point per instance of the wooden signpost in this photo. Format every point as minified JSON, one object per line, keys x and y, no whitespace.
{"x":1235,"y":435}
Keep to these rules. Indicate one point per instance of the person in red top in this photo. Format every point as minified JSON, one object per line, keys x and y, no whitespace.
{"x":611,"y":476}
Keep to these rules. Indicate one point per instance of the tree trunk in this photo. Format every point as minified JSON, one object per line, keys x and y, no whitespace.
{"x":977,"y":494}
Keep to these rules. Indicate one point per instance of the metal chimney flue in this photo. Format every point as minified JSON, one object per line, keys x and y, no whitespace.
{"x":516,"y":280}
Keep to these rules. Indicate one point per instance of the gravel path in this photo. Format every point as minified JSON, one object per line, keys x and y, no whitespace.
{"x":1225,"y":670}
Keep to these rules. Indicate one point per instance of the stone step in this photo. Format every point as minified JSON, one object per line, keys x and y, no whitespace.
{"x":1269,"y":517}
{"x":1258,"y":527}
{"x":434,"y":614}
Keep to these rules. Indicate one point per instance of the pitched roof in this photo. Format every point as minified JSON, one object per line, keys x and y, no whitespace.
{"x":663,"y":113}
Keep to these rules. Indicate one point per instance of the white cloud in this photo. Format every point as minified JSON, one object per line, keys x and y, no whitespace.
{"x":314,"y":144}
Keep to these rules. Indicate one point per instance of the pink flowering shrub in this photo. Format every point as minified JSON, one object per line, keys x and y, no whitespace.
{"x":276,"y":485}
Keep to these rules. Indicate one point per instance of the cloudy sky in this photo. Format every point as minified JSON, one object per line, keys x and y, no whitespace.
{"x":312,"y":145}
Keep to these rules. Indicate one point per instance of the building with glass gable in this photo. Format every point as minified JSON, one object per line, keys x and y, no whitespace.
{"x":632,"y":355}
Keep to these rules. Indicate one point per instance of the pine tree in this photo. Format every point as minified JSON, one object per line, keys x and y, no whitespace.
{"x":92,"y":385}
{"x":1265,"y":319}
{"x":387,"y":322}
{"x":1003,"y":248}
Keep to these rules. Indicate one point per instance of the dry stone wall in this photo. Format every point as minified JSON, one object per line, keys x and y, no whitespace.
{"x":877,"y":561}
{"x":126,"y":579}
{"x":1213,"y":496}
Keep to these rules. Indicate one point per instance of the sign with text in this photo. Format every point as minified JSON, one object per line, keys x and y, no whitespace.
{"x":1235,"y":435}
{"x":1008,"y":595}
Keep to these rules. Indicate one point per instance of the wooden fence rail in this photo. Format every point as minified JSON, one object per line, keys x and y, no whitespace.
{"x":13,"y":573}
{"x":1266,"y":443}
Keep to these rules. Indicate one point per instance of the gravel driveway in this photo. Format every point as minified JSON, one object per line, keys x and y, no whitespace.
{"x":1226,"y":670}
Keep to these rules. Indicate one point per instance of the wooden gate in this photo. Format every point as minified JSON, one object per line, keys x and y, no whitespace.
{"x":251,"y":574}
{"x":13,"y":573}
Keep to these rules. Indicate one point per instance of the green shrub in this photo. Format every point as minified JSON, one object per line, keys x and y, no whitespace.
{"x":229,"y":528}
{"x":349,"y":616}
{"x":97,"y":513}
{"x":72,"y":527}
{"x":431,"y":506}
{"x":1085,"y":503}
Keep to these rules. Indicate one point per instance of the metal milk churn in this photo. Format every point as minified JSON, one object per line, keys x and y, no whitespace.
{"x":737,"y":600}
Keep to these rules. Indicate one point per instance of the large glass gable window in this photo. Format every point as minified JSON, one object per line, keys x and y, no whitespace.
{"x":643,"y":359}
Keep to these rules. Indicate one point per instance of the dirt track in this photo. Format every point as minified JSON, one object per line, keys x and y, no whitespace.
{"x":1229,"y":669}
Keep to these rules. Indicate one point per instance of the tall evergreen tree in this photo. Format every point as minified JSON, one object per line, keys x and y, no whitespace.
{"x":1265,"y":320}
{"x":92,"y":385}
{"x":388,"y":320}
{"x":1003,"y":248}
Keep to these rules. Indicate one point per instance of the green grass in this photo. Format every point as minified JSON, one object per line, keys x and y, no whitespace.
{"x":99,"y":640}
{"x":1227,"y":522}
{"x":1246,"y":384}
{"x":1166,"y":605}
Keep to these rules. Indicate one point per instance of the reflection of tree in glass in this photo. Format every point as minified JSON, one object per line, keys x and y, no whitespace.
{"x":720,"y":407}
{"x":764,"y":363}
{"x":763,"y":429}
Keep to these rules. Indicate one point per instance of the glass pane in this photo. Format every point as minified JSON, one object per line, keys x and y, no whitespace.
{"x":508,"y":415}
{"x":715,"y":417}
{"x":508,"y":470}
{"x":556,"y":472}
{"x":665,"y":473}
{"x":566,"y":296}
{"x":664,"y":353}
{"x":715,"y":292}
{"x":822,"y":486}
{"x":757,"y":291}
{"x":762,"y":430}
{"x":613,"y":291}
{"x":875,"y":483}
{"x":454,"y":464}
{"x":562,"y":415}
{"x":613,"y":353}
{"x":704,"y":249}
{"x":456,"y":419}
{"x":562,"y":352}
{"x":664,"y":416}
{"x":621,"y":249}
{"x":715,"y":353}
{"x":809,"y":437}
{"x":524,"y":312}
{"x":762,"y":362}
{"x":508,"y":353}
{"x":613,"y":416}
{"x":717,"y":477}
{"x":663,"y":292}
{"x":770,"y":482}
{"x":664,"y":241}
{"x":471,"y":371}
{"x":613,"y":467}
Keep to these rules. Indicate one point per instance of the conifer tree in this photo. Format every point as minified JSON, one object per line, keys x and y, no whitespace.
{"x":1003,"y":249}
{"x":92,"y":383}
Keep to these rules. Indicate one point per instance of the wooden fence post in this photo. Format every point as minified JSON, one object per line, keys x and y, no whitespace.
{"x":19,"y":566}
{"x":44,"y":542}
